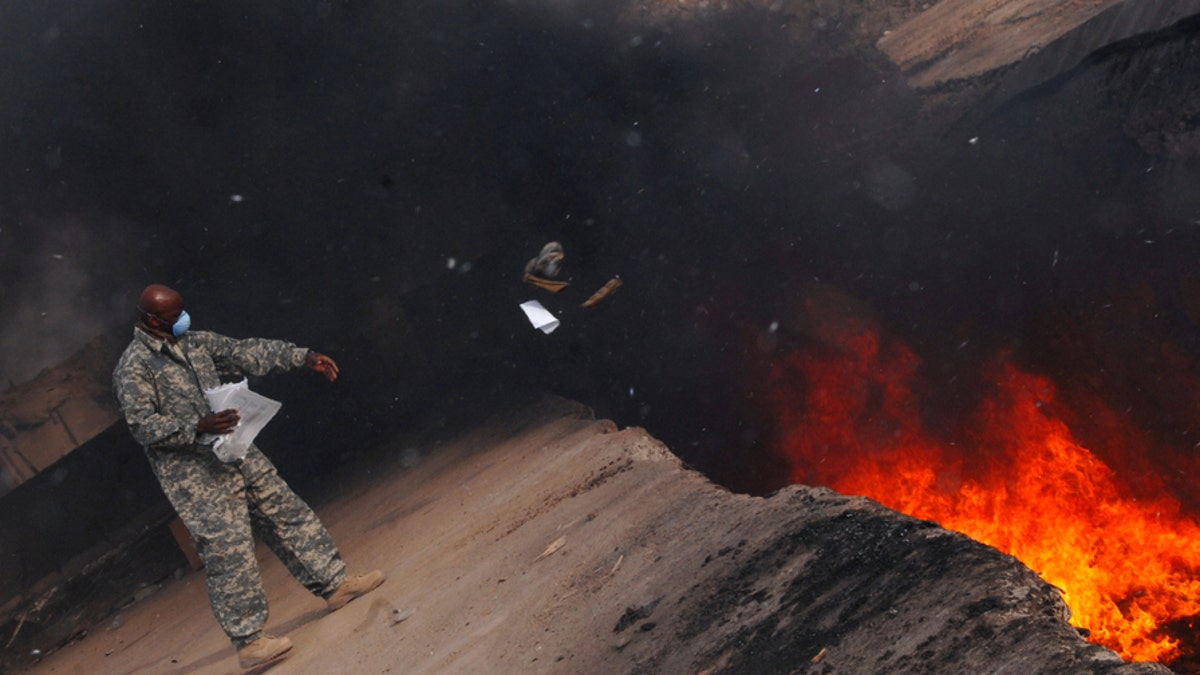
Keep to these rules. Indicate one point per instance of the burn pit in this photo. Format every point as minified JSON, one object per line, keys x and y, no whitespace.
{"x":1099,"y":524}
{"x":776,"y":201}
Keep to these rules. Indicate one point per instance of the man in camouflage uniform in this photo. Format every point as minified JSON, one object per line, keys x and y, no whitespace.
{"x":159,"y":382}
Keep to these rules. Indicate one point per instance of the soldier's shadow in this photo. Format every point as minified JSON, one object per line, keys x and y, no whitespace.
{"x":287,"y":627}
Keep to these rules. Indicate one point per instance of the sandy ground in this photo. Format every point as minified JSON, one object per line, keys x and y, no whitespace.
{"x":460,"y":532}
{"x":545,"y":541}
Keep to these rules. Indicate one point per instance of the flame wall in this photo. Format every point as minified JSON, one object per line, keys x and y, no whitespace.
{"x":1012,"y":473}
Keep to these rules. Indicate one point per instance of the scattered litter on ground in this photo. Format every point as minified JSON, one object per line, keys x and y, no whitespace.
{"x":633,"y":615}
{"x":558,"y":543}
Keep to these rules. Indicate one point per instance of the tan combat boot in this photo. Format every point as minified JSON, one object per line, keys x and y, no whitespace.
{"x":264,"y":650}
{"x":354,"y":586}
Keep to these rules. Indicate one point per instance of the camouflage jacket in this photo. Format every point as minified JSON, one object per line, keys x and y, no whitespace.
{"x":160,"y":386}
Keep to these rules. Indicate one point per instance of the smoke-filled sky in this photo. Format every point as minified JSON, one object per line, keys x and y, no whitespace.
{"x":312,"y":170}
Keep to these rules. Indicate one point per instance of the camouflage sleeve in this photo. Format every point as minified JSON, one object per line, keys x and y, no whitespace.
{"x":253,"y":356}
{"x":135,"y":392}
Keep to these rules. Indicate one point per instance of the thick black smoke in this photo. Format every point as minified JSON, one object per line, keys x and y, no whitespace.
{"x":369,"y":178}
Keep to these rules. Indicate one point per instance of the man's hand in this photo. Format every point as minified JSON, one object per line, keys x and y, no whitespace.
{"x":323,"y":365}
{"x":222,"y":422}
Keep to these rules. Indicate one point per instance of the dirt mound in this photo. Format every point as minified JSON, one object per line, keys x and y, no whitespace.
{"x":548,"y":541}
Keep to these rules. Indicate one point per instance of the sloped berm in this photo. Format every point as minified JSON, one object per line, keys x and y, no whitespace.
{"x":545,"y":541}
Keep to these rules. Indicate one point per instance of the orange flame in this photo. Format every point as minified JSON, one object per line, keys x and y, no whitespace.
{"x":1127,"y":564}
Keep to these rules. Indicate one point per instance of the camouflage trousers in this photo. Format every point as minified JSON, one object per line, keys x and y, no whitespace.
{"x":225,"y":506}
